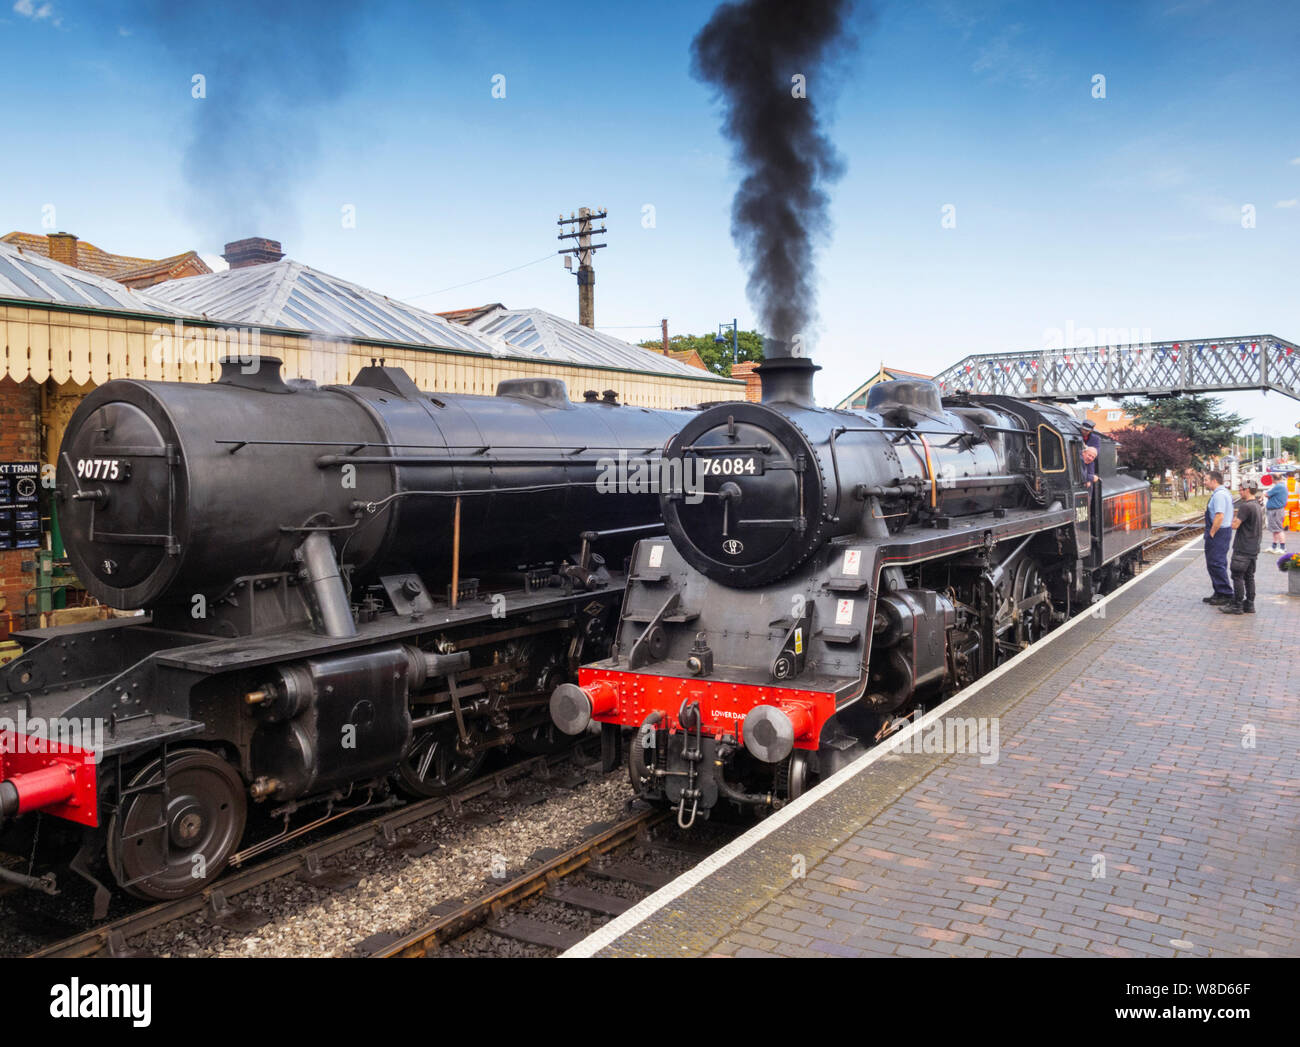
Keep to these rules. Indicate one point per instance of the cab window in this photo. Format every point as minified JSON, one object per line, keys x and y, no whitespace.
{"x":1051,"y":450}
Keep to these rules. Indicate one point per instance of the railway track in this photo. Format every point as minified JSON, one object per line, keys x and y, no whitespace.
{"x":554,"y":890}
{"x":219,"y":899}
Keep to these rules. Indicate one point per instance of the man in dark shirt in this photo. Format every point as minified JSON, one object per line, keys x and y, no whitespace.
{"x":1089,"y":451}
{"x":1247,"y":527}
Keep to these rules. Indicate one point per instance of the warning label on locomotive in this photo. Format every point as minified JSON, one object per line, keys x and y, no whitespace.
{"x":852,"y":561}
{"x":656,"y":555}
{"x":844,"y":612}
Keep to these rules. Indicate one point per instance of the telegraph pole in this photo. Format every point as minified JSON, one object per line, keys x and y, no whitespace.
{"x":584,"y":250}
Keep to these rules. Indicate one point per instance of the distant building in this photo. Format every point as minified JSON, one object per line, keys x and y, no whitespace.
{"x":1110,"y":419}
{"x":857,"y":400}
{"x":689,"y":357}
{"x":125,"y":269}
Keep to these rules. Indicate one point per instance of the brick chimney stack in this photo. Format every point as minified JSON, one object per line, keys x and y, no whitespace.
{"x":255,"y":250}
{"x":63,"y":248}
{"x":753,"y":384}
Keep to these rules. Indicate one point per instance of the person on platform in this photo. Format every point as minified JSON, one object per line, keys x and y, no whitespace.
{"x":1276,"y":506}
{"x":1218,"y":537}
{"x":1247,"y":529}
{"x":1091,"y":448}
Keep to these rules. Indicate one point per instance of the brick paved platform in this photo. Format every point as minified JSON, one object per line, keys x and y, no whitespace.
{"x":1146,"y":802}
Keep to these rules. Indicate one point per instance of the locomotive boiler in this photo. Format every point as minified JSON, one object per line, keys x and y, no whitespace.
{"x":346,"y":587}
{"x":838,"y":570}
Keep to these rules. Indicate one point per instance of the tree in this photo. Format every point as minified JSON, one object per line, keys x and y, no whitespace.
{"x":716,"y":357}
{"x":1201,"y":419}
{"x":1154,"y":448}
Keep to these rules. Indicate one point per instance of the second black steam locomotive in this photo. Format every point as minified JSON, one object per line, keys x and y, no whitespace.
{"x":837,"y":570}
{"x":346,"y":586}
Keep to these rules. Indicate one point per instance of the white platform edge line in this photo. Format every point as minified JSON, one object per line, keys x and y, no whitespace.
{"x":648,"y":906}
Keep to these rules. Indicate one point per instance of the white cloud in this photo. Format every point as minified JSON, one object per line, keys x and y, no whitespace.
{"x":28,"y":9}
{"x":1005,"y":57}
{"x":1293,"y":202}
{"x":1296,"y":161}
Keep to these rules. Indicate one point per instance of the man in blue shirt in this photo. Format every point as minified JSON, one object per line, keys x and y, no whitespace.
{"x":1218,"y":538}
{"x":1276,"y":508}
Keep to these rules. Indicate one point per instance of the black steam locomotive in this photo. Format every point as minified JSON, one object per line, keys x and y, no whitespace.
{"x":836,"y":570}
{"x":346,"y":586}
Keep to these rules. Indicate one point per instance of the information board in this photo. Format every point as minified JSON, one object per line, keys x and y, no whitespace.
{"x":20,"y":514}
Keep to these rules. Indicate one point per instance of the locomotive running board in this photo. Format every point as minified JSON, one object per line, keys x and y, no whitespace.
{"x":974,"y":532}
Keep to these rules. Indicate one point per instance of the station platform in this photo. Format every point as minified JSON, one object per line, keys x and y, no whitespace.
{"x":1144,"y":800}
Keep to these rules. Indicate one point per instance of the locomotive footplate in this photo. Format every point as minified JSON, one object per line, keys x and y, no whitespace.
{"x":251,"y":651}
{"x":970,"y":532}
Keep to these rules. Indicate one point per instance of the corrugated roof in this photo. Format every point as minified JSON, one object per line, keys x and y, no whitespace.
{"x":544,"y":334}
{"x":24,"y":274}
{"x":291,"y":295}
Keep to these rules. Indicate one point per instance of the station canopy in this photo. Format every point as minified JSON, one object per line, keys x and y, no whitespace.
{"x":539,"y":333}
{"x":32,"y":276}
{"x":290,"y":295}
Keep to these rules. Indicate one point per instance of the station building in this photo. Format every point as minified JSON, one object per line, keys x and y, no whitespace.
{"x":67,"y":328}
{"x":857,"y":400}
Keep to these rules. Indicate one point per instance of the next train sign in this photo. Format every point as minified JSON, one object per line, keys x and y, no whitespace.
{"x":20,"y":515}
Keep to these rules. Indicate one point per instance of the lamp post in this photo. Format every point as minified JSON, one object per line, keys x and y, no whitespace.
{"x":720,"y":339}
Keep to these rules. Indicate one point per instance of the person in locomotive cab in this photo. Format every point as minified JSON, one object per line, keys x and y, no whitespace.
{"x":1218,"y":537}
{"x":1248,"y":528}
{"x":1089,"y":452}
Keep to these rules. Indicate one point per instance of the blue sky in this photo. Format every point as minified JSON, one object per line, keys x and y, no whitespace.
{"x":1071,"y":211}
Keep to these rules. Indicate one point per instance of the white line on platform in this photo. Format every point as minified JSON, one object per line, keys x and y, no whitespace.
{"x":620,"y":925}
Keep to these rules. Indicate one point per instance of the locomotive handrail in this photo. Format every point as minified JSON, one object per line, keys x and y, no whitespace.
{"x":763,"y":448}
{"x":326,"y":460}
{"x":359,"y":444}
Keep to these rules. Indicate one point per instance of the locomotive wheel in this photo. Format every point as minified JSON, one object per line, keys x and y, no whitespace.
{"x":434,"y":765}
{"x":1033,"y":623}
{"x":196,"y":833}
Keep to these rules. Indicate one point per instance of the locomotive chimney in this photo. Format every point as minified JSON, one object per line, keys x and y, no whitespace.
{"x":787,"y":379}
{"x":255,"y":250}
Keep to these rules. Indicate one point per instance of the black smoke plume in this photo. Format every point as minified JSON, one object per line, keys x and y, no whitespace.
{"x":753,"y":51}
{"x":272,"y":68}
